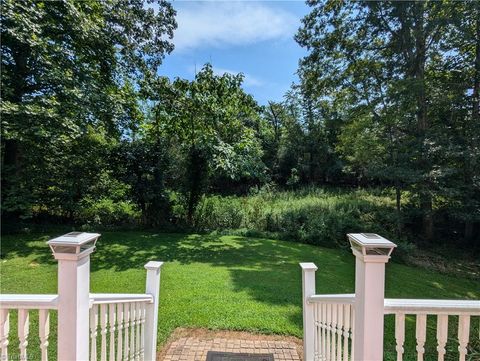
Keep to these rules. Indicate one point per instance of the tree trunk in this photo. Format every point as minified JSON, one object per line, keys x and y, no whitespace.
{"x":398,"y":194}
{"x":422,"y":121}
{"x":196,"y":179}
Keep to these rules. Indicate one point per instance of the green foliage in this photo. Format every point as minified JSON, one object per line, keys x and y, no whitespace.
{"x":310,"y":216}
{"x":67,"y":74}
{"x":389,"y":97}
{"x":210,"y":117}
{"x":402,"y":79}
{"x":106,"y":212}
{"x":141,"y":166}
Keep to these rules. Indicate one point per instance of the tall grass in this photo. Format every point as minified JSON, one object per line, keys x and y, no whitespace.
{"x":313,"y":215}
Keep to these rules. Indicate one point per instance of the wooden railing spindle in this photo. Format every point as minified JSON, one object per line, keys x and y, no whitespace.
{"x":23,"y":331}
{"x":132,"y":331}
{"x":137,"y":335}
{"x":93,"y":332}
{"x":329,"y":331}
{"x":111,"y":323}
{"x":339,"y":331}
{"x":399,"y":334}
{"x":44,"y":332}
{"x":103,"y":331}
{"x":421,"y":332}
{"x":4,"y":331}
{"x":346,"y":331}
{"x":142,"y":332}
{"x":126,"y":348}
{"x":334,"y":332}
{"x":442,"y":334}
{"x":324,"y":331}
{"x":463,"y":335}
{"x":316,"y":343}
{"x":120,"y":331}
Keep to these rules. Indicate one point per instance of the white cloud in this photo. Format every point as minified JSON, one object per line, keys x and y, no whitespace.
{"x":219,"y":24}
{"x":248,"y":80}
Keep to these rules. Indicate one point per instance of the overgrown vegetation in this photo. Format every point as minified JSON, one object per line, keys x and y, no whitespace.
{"x":311,"y":216}
{"x":388,"y":98}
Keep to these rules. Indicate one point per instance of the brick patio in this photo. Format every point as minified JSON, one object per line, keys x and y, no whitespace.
{"x":194,"y":347}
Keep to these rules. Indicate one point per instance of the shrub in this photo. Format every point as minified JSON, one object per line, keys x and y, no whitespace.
{"x":314,"y":216}
{"x":107,"y":212}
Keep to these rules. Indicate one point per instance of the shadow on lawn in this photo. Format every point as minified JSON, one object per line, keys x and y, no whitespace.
{"x":266,"y":269}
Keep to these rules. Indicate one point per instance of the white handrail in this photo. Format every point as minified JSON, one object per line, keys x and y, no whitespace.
{"x":417,"y":306}
{"x":26,"y":301}
{"x":424,"y":306}
{"x":104,"y":298}
{"x":347,"y":298}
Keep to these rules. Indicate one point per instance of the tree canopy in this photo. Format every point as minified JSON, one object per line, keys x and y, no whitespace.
{"x":388,"y":97}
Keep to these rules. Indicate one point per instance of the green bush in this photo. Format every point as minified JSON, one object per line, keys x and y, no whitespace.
{"x":106,"y":212}
{"x":314,"y":216}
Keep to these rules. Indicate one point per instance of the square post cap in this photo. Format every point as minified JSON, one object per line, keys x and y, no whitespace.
{"x":74,"y":243}
{"x":370,"y":244}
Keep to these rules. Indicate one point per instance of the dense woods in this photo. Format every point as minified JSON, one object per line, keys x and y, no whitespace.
{"x":388,"y":100}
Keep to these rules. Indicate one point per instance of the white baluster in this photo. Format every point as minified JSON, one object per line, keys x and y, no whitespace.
{"x":103,"y":332}
{"x":132,"y":331}
{"x":111,"y":323}
{"x":44,"y":332}
{"x":93,"y":332}
{"x":442,"y":334}
{"x":334,"y":332}
{"x":324,"y":331}
{"x":463,"y":335}
{"x":139,"y":323}
{"x":316,"y":323}
{"x":120,"y":331}
{"x":352,"y":333}
{"x":399,"y":334}
{"x":126,"y":314}
{"x":329,"y":331}
{"x":339,"y":332}
{"x":142,"y":329}
{"x":4,"y":331}
{"x":421,"y":332}
{"x":137,"y":331}
{"x":346,"y":331}
{"x":23,"y":330}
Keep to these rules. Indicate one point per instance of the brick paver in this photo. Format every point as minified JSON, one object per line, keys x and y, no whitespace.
{"x":195,"y":348}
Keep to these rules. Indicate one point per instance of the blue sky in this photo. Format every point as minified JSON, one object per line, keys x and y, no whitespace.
{"x":251,"y":37}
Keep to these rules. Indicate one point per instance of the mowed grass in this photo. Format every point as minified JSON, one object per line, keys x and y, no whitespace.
{"x":221,"y":282}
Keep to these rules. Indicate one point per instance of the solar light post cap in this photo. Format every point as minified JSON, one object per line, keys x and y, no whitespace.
{"x":371,"y":246}
{"x":73,"y":245}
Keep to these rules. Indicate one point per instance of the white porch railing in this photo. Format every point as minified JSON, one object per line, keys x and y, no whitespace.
{"x":442,"y":309}
{"x":119,"y":326}
{"x":23,"y":304}
{"x":346,"y":326}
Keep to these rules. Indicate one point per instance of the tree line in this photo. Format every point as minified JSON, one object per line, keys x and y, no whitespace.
{"x":388,"y":97}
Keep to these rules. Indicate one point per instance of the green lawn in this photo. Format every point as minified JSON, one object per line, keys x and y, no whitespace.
{"x":220,"y":282}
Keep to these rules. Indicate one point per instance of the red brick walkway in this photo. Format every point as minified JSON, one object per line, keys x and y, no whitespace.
{"x":193,"y":345}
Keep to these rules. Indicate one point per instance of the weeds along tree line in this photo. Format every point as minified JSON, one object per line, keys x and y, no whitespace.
{"x":388,"y":98}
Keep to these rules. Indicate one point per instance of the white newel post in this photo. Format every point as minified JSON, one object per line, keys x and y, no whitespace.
{"x":372,"y":252}
{"x":72,"y":251}
{"x":151,"y":312}
{"x":308,"y":289}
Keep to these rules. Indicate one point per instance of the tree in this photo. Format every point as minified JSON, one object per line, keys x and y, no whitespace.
{"x":211,"y":118}
{"x":64,"y":66}
{"x":375,"y":65}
